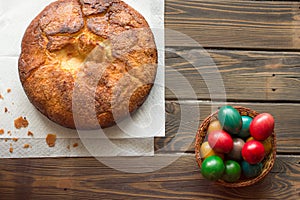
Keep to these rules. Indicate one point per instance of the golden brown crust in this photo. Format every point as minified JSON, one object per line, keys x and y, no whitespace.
{"x":102,"y":49}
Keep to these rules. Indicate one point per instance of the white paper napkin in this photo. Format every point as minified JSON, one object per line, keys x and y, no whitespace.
{"x":133,"y":138}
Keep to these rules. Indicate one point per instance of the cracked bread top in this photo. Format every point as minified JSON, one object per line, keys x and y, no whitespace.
{"x":86,"y":63}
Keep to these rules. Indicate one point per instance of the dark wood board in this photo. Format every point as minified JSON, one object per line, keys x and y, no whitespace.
{"x":234,"y":24}
{"x":87,"y":178}
{"x":244,"y":75}
{"x":286,"y":124}
{"x":256,"y":48}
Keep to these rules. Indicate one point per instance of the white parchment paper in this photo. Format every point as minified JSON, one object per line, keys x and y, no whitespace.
{"x":15,"y":16}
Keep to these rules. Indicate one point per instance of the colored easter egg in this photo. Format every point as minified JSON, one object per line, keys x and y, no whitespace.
{"x":250,"y":171}
{"x":232,"y":171}
{"x":236,"y":152}
{"x":214,"y":126}
{"x":262,"y":126}
{"x":253,"y":152}
{"x":230,"y":119}
{"x":212,"y":168}
{"x":245,"y":132}
{"x":220,"y":141}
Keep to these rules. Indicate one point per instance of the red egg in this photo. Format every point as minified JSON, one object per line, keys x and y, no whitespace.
{"x":220,"y":141}
{"x":253,"y":152}
{"x":262,"y":126}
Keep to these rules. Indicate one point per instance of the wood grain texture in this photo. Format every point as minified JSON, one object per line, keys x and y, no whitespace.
{"x":286,"y":124}
{"x":87,"y":178}
{"x":245,"y":75}
{"x":235,"y":24}
{"x":256,"y":48}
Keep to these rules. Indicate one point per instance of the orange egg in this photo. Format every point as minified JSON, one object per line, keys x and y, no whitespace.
{"x":214,"y":126}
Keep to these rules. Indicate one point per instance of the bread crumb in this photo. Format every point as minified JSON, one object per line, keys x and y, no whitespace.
{"x":8,"y":90}
{"x":11,"y":149}
{"x":1,"y":131}
{"x":68,"y":147}
{"x":51,"y":139}
{"x":5,"y":140}
{"x":9,"y":133}
{"x":75,"y":145}
{"x":5,"y":110}
{"x":15,"y":139}
{"x":1,"y":97}
{"x":21,"y":122}
{"x":26,"y":146}
{"x":30,"y":133}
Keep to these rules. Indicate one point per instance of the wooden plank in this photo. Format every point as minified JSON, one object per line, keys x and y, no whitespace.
{"x":238,"y":24}
{"x":87,"y":178}
{"x":245,"y":75}
{"x":286,"y":118}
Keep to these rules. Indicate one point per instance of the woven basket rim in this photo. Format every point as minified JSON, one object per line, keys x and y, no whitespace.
{"x":268,"y":162}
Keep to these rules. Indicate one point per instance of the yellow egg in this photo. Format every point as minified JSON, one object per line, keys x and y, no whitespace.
{"x":206,"y":151}
{"x":214,"y":126}
{"x":268,"y":145}
{"x":249,"y":139}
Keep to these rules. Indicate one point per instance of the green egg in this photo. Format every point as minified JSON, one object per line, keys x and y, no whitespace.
{"x":212,"y":168}
{"x":232,"y":171}
{"x":244,"y":132}
{"x":230,"y":119}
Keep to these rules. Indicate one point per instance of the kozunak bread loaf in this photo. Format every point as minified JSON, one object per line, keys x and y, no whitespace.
{"x":88,"y":63}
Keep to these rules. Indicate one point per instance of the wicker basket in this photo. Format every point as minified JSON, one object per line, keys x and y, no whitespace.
{"x":268,"y":161}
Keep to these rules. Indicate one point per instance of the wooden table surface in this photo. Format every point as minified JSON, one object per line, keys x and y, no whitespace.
{"x":256,"y":47}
